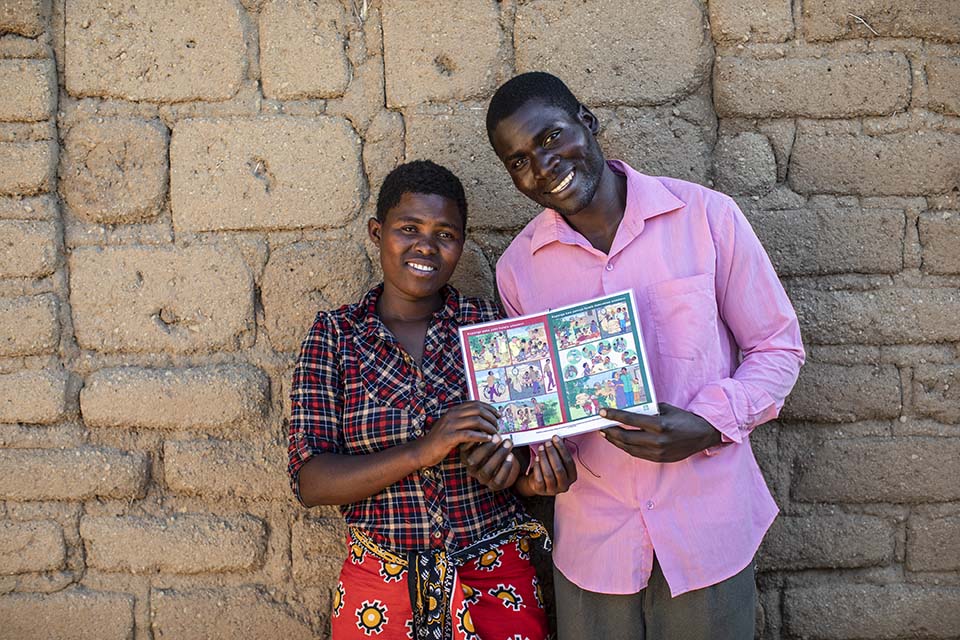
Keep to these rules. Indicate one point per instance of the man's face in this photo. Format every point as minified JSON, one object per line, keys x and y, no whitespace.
{"x":553,"y":158}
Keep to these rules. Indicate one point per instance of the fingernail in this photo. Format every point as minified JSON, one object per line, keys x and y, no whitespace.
{"x":507,"y":443}
{"x":509,"y":457}
{"x":602,"y":434}
{"x":541,"y":449}
{"x":495,"y":437}
{"x":603,"y":412}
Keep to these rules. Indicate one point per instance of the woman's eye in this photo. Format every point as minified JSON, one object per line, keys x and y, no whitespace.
{"x":408,"y":229}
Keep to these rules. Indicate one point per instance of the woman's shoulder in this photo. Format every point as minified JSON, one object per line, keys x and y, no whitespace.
{"x":474,"y":309}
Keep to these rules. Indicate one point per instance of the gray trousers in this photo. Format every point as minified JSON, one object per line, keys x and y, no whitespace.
{"x":724,"y":611}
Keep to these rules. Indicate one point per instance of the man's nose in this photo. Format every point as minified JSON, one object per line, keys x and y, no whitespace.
{"x":545,"y":165}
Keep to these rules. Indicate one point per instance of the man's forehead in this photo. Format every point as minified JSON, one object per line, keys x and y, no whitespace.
{"x":528,"y":120}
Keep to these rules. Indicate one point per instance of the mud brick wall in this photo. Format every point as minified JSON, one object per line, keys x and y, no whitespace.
{"x":184,"y":183}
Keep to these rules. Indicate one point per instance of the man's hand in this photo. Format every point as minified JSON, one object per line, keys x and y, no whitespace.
{"x":673,"y":435}
{"x":492,"y":463}
{"x":553,"y":470}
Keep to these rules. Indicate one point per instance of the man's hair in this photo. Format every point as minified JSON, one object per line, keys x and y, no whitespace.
{"x":521,"y":89}
{"x":420,"y":176}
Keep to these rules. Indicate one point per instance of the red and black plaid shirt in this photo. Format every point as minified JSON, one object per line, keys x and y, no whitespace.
{"x":355,"y":391}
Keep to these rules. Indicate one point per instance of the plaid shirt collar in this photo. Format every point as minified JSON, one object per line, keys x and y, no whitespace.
{"x":373,"y":326}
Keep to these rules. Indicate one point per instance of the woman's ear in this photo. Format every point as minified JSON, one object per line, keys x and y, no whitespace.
{"x":373,"y":230}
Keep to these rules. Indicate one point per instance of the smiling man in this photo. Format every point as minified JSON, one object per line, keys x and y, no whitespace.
{"x":657,"y":536}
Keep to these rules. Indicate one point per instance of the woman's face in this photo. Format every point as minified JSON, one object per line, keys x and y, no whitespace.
{"x":420,"y":242}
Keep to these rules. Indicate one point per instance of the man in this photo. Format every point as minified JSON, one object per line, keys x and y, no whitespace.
{"x":658,"y":540}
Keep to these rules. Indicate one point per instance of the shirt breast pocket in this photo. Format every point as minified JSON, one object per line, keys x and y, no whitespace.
{"x":685,"y":316}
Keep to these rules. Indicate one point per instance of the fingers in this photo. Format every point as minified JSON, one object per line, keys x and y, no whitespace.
{"x":650,"y":423}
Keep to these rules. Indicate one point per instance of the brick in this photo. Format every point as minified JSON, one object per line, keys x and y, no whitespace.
{"x":837,"y":19}
{"x":76,"y":614}
{"x":660,"y":53}
{"x":28,"y":90}
{"x":753,"y":20}
{"x":443,"y":63}
{"x":23,"y":17}
{"x":188,"y":544}
{"x":27,"y":168}
{"x":940,"y":237}
{"x":936,"y":391}
{"x":745,"y":163}
{"x":302,"y":51}
{"x":28,"y":249}
{"x":901,"y":469}
{"x":28,"y":547}
{"x":841,"y":87}
{"x":933,"y":543}
{"x":115,"y":170}
{"x":29,"y":326}
{"x":943,"y":78}
{"x":473,"y":275}
{"x":837,"y":393}
{"x":887,"y":316}
{"x":832,"y":240}
{"x":655,"y":142}
{"x":35,"y":208}
{"x":318,"y":549}
{"x":72,"y":474}
{"x":827,"y":542}
{"x":893,"y":164}
{"x":139,"y":299}
{"x":220,"y":396}
{"x":224,"y":469}
{"x":35,"y":397}
{"x":304,"y":278}
{"x":452,"y":140}
{"x":383,"y":146}
{"x":171,"y":51}
{"x":880,"y":612}
{"x":264,"y":173}
{"x":238,"y":614}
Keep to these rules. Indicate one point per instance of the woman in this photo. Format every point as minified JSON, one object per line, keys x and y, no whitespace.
{"x":378,"y":417}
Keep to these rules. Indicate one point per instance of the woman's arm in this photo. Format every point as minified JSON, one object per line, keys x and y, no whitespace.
{"x":333,"y":478}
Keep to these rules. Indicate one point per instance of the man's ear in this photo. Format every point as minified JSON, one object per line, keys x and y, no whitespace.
{"x":373,"y":230}
{"x":589,"y":120}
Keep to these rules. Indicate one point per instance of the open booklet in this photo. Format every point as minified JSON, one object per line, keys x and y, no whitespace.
{"x":550,"y":373}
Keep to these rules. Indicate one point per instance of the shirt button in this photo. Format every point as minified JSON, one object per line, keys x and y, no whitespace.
{"x":438,"y":519}
{"x":649,"y":504}
{"x":609,"y":266}
{"x":418,"y":432}
{"x":437,"y":535}
{"x":429,"y":347}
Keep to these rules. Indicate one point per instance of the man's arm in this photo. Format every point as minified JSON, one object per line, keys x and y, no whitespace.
{"x":755,"y":308}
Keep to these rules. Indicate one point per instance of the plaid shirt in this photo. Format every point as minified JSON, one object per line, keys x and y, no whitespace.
{"x":355,"y":391}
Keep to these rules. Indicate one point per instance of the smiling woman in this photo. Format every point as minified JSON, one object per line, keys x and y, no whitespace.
{"x":378,"y":419}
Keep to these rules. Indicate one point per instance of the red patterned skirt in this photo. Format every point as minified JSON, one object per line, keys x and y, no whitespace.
{"x":489,"y":591}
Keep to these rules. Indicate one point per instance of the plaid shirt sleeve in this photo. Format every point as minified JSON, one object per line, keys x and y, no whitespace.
{"x":316,"y":399}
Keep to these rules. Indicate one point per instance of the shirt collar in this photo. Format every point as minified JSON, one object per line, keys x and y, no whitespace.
{"x":373,"y":325}
{"x":646,"y":198}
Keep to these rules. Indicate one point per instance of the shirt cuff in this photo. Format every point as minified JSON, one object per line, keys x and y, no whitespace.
{"x":713,"y":405}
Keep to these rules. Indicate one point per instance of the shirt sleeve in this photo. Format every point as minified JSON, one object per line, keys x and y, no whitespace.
{"x":755,"y":308}
{"x":316,"y":399}
{"x":507,"y":288}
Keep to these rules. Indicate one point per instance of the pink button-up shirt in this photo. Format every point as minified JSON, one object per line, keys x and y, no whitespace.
{"x":723,"y":343}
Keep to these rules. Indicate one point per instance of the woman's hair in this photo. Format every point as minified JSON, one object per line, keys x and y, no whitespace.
{"x":420,"y":176}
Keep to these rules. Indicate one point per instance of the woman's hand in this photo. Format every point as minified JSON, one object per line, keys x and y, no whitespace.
{"x":553,"y":470}
{"x":492,"y":464}
{"x":472,"y":421}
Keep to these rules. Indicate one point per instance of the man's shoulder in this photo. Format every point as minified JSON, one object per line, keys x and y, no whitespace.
{"x":693,"y":194}
{"x":519,"y":249}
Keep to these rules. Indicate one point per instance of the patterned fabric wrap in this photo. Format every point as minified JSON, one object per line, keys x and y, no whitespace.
{"x":442,"y":588}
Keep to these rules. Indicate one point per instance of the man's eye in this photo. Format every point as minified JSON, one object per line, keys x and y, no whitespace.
{"x":518,"y":163}
{"x":551,"y":138}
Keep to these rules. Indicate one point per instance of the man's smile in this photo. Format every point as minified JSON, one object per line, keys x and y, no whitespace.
{"x":563,"y":184}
